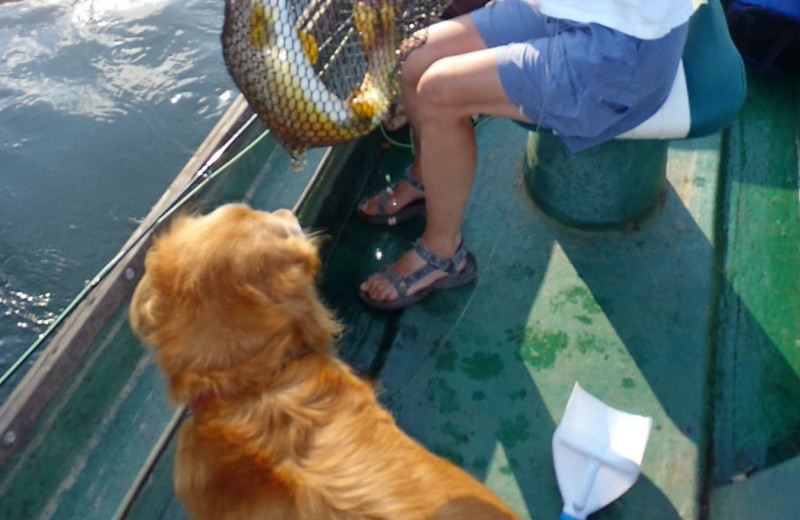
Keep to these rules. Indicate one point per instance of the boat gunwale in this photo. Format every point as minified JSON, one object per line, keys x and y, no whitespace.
{"x":65,"y":351}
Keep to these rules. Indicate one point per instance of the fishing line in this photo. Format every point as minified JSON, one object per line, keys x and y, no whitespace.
{"x":204,"y":178}
{"x":482,"y":120}
{"x":199,"y":181}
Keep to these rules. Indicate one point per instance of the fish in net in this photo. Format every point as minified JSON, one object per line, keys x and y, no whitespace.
{"x":321,"y":72}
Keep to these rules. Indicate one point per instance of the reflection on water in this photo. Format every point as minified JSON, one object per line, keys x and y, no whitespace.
{"x":20,"y":306}
{"x":101,"y":104}
{"x":124,"y":55}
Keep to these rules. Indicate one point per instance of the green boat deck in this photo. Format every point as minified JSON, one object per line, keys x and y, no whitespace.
{"x":690,"y":318}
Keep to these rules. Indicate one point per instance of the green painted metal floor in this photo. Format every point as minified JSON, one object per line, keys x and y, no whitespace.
{"x":481,"y":374}
{"x":690,"y":319}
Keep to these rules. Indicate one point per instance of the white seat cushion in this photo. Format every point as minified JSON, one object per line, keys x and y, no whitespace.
{"x":671,"y":121}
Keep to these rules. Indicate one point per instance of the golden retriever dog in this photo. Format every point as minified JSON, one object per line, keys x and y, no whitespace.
{"x":280,"y":427}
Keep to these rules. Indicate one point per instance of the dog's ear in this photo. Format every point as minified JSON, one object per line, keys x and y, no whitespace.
{"x":285,"y":267}
{"x":284,"y":291}
{"x":148,"y":311}
{"x":308,"y":256}
{"x":143,"y":313}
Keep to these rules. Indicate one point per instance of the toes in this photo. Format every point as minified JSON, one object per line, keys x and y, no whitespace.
{"x":368,"y":206}
{"x":378,"y":288}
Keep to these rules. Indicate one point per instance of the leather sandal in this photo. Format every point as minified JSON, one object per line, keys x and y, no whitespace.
{"x":410,"y":210}
{"x":433,"y":262}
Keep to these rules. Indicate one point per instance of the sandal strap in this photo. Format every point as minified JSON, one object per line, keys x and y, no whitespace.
{"x":448,"y":265}
{"x":413,"y":181}
{"x":400,"y":283}
{"x":433,"y":262}
{"x":383,"y":198}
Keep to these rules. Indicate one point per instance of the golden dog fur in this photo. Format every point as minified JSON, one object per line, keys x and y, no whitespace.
{"x":281,"y":428}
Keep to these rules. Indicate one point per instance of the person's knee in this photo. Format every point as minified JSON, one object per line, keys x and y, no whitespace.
{"x":435,"y":91}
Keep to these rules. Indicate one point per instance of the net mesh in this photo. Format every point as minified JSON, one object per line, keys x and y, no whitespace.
{"x":321,"y":72}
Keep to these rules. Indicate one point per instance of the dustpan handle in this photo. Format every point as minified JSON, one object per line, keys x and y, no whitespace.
{"x":589,"y":475}
{"x":594,"y":450}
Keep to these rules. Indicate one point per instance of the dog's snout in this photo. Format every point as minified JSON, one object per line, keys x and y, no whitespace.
{"x":291,"y":223}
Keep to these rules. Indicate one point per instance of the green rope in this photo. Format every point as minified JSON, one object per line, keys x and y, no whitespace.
{"x":482,"y":120}
{"x":187,"y":195}
{"x":394,"y":142}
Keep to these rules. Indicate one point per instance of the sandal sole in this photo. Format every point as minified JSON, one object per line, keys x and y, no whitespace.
{"x":463,"y":277}
{"x":411,"y":210}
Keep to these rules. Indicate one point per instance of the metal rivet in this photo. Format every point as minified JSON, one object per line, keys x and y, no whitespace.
{"x":9,"y":438}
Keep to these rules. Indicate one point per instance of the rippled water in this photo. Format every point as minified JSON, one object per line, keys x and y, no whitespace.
{"x":101,"y":104}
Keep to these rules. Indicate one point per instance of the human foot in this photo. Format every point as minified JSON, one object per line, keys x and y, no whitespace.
{"x":398,"y":202}
{"x":417,"y":274}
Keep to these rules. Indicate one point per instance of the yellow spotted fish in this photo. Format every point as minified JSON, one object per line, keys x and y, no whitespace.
{"x":272,"y":49}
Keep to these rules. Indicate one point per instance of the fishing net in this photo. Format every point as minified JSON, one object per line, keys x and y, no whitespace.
{"x":321,"y":72}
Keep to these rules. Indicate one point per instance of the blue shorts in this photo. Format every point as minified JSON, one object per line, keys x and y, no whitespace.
{"x":587,"y":82}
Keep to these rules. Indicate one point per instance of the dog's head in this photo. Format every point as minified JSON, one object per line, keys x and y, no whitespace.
{"x":228,"y":297}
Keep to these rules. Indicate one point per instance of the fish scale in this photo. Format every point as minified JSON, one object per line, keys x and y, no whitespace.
{"x":272,"y":50}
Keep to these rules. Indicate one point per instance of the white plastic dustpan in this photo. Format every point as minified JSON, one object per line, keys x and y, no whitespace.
{"x":597,"y":451}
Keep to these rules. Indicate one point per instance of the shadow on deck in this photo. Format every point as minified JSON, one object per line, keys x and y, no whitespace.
{"x":690,"y":319}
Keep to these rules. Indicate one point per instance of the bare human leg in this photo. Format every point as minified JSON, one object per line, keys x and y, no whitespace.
{"x":444,"y":82}
{"x":452,"y":37}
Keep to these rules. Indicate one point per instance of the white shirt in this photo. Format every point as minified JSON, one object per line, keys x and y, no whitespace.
{"x":643,"y":19}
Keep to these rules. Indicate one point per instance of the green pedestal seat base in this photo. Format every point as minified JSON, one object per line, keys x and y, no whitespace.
{"x":617,"y":183}
{"x":612,"y":185}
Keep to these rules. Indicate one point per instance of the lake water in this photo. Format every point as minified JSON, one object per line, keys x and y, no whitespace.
{"x":101,"y":104}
